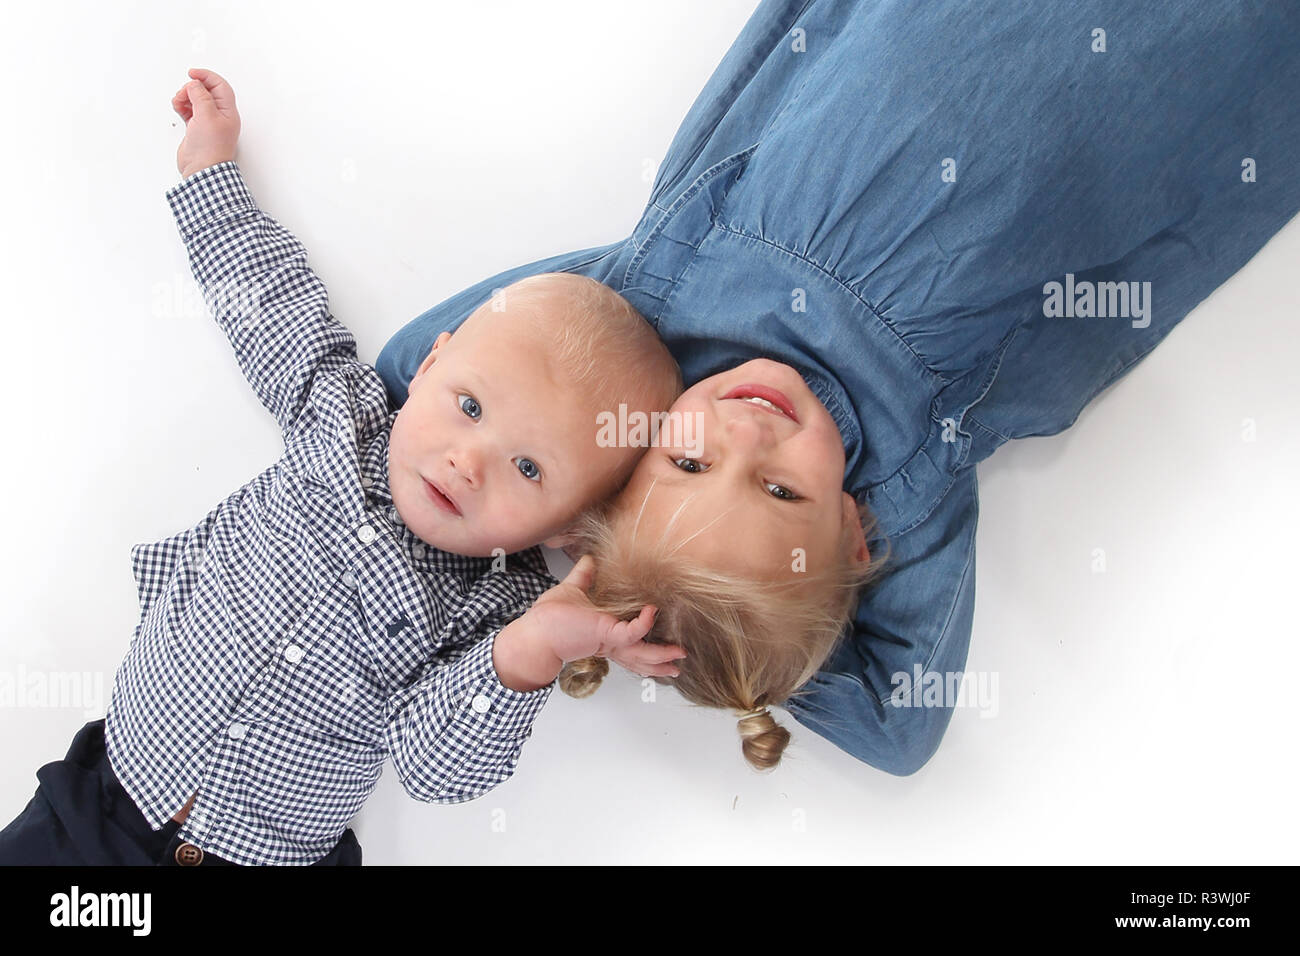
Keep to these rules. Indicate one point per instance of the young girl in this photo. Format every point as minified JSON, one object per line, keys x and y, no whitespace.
{"x":887,"y":239}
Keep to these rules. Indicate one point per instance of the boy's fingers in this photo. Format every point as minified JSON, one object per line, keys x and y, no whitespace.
{"x":181,"y":104}
{"x":583,"y":573}
{"x":200,"y":98}
{"x":223,"y":95}
{"x":646,"y":656}
{"x":639,"y":626}
{"x":665,"y":653}
{"x":646,"y":619}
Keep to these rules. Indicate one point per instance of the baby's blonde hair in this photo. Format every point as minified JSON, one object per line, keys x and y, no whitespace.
{"x":749,"y":645}
{"x":600,"y":342}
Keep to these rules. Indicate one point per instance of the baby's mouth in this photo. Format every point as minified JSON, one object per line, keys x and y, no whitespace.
{"x":440,"y":498}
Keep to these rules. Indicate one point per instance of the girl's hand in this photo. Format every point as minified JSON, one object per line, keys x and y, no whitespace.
{"x":207,"y":105}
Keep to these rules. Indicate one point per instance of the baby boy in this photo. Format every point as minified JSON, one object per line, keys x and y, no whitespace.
{"x":376,"y":593}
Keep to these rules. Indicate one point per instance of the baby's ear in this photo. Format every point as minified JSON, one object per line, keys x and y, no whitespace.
{"x":566,"y":541}
{"x":439,"y":342}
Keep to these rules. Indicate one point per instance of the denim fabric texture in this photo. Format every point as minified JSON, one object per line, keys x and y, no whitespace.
{"x":879,"y":193}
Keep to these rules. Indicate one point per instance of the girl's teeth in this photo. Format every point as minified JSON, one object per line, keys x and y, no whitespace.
{"x":761,"y":401}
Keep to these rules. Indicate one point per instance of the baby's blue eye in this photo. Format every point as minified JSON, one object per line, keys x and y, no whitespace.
{"x":700,"y":466}
{"x":469,"y":406}
{"x":528,"y":468}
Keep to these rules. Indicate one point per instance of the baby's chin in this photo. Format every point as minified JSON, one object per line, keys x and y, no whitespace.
{"x":455,"y":535}
{"x":468,"y":543}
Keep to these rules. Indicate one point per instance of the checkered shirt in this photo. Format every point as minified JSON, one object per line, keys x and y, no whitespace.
{"x":299,"y":634}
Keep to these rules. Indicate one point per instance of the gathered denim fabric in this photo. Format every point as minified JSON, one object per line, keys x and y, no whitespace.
{"x":878,"y":194}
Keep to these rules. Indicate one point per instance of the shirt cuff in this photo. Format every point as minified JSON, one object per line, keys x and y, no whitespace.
{"x":466,"y":693}
{"x":457,"y":733}
{"x":212,"y":193}
{"x":491,"y":698}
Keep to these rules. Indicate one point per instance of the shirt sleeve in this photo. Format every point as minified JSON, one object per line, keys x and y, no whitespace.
{"x":255,"y":279}
{"x":458,"y":732}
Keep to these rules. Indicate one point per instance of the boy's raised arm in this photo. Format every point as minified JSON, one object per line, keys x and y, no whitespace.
{"x":253,"y":271}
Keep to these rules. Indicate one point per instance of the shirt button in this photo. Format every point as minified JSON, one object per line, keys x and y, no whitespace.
{"x":365,"y":481}
{"x":481,"y":704}
{"x":349,"y":579}
{"x":393,"y":516}
{"x":418,"y":550}
{"x":237,"y":731}
{"x":187,"y":854}
{"x":293,"y":653}
{"x":366,"y":534}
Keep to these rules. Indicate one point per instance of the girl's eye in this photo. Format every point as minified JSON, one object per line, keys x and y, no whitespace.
{"x":469,"y":406}
{"x":781,"y":491}
{"x":692,"y":465}
{"x":695,"y":466}
{"x":528,"y":468}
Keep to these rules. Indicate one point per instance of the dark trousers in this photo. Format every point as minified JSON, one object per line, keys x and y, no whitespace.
{"x":81,"y":816}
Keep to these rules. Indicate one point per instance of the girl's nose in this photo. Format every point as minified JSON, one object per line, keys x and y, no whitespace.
{"x":747,"y":432}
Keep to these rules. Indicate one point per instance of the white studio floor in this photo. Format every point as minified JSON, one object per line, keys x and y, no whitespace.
{"x":1144,"y":715}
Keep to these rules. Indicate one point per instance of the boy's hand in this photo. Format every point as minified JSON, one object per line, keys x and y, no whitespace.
{"x":563,"y":626}
{"x":636,"y":655}
{"x":648,"y":660}
{"x":207,"y":104}
{"x":574,"y":628}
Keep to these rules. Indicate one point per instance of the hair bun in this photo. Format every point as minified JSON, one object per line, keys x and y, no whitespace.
{"x":580,"y":678}
{"x":763,"y":740}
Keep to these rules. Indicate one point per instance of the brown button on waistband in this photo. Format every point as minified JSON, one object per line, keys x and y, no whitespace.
{"x":187,"y":854}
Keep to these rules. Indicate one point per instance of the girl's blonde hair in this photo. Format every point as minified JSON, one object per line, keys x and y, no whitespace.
{"x":750,"y":645}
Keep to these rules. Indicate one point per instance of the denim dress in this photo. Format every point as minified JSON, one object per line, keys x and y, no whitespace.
{"x":884,"y":195}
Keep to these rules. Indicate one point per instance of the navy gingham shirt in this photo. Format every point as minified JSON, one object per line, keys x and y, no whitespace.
{"x":299,"y":634}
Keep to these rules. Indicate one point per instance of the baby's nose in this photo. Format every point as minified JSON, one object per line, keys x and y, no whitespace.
{"x":466,"y":464}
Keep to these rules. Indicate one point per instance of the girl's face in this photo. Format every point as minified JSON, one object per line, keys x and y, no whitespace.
{"x":758,"y":490}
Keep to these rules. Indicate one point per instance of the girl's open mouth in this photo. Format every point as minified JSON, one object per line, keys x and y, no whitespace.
{"x":766,"y":398}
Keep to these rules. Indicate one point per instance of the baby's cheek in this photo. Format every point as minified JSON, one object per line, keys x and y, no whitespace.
{"x":531,"y":523}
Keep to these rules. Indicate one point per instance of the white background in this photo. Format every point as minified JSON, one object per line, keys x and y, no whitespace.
{"x":1144,"y":714}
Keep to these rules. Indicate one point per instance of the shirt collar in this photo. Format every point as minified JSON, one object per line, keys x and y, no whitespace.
{"x":374,"y":467}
